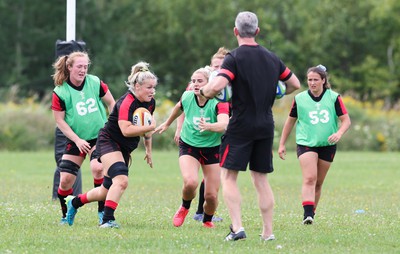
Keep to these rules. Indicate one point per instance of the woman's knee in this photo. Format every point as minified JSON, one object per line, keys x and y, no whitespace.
{"x":211,"y":196}
{"x":96,"y":167}
{"x":310,"y":180}
{"x":190,"y":184}
{"x":121,"y":182}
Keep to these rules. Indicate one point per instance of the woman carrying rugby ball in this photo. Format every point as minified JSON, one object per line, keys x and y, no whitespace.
{"x":119,"y":137}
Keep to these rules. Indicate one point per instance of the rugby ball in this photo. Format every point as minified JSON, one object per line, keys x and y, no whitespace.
{"x":213,"y":75}
{"x":142,"y":117}
{"x":280,"y":90}
{"x":225,"y":94}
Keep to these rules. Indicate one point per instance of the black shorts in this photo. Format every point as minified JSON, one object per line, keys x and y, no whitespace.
{"x":236,"y":153}
{"x":72,"y":149}
{"x":205,"y":155}
{"x":95,"y":154}
{"x":326,"y":153}
{"x":105,"y":144}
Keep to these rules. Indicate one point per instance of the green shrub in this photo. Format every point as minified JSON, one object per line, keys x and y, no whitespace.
{"x":25,"y":127}
{"x":373,"y":127}
{"x":29,"y":125}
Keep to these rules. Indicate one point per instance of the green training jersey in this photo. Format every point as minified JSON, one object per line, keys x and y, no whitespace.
{"x":84,"y":111}
{"x":316,"y":120}
{"x":190,"y":133}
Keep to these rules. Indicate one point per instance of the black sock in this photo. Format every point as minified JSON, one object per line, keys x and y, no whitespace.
{"x":207,"y":217}
{"x":186,"y":203}
{"x":308,"y":211}
{"x":108,"y":214}
{"x":100,"y":204}
{"x":63,"y":205}
{"x":200,"y":208}
{"x":76,"y":202}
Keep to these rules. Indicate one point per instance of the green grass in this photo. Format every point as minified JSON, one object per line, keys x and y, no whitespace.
{"x":357,"y":181}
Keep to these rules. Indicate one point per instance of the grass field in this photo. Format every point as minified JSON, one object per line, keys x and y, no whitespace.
{"x":359,"y":211}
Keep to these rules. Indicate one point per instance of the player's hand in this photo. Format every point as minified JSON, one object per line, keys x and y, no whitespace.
{"x":160,"y":129}
{"x":282,"y":151}
{"x":148,"y":159}
{"x":203,"y":125}
{"x":148,"y":134}
{"x":83,"y":146}
{"x":153,"y":126}
{"x":334,"y":138}
{"x":177,"y":137}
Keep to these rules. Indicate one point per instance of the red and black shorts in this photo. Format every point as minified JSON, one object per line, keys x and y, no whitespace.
{"x":205,"y":155}
{"x":326,"y":153}
{"x":105,"y":144}
{"x":72,"y":149}
{"x":236,"y":153}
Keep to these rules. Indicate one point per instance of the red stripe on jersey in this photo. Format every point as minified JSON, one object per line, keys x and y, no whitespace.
{"x":109,"y":203}
{"x":222,"y":161}
{"x":104,"y":87}
{"x":226,"y":72}
{"x":223,"y":108}
{"x":124,"y":108}
{"x":284,"y":74}
{"x":151,"y":108}
{"x":342,"y":106}
{"x":55,"y":103}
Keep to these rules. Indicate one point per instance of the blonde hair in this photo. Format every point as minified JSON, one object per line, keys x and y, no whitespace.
{"x":61,"y":72}
{"x":221,"y":53}
{"x":205,"y":71}
{"x":139,"y":73}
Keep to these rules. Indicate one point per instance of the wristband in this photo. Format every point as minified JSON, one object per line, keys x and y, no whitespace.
{"x":202,"y":94}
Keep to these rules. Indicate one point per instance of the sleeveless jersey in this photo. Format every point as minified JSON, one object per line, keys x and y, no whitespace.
{"x":316,"y":120}
{"x":84,"y":111}
{"x":190,"y":133}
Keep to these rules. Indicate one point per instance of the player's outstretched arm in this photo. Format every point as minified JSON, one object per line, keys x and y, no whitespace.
{"x":176,"y":112}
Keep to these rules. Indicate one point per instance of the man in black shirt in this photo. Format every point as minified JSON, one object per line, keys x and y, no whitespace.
{"x":253,"y":72}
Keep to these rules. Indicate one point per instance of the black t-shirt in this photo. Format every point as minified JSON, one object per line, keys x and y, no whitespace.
{"x":254,"y":73}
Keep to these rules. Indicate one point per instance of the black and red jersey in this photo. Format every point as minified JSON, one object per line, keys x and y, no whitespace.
{"x":123,"y":110}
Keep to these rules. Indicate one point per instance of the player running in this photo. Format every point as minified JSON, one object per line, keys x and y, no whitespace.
{"x":116,"y":141}
{"x":205,"y":121}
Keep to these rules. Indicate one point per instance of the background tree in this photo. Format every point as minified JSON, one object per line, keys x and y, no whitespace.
{"x":359,"y":42}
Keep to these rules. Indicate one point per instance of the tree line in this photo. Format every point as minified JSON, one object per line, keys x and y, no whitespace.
{"x":358,"y":41}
